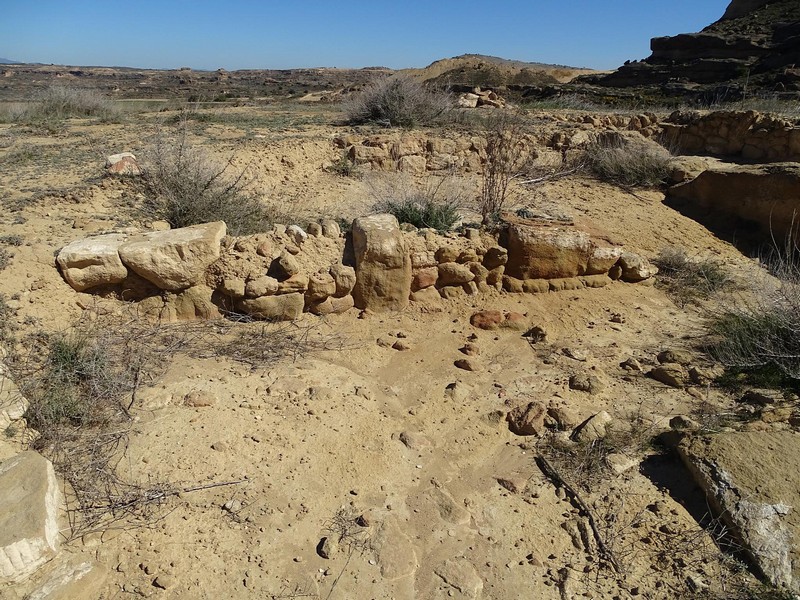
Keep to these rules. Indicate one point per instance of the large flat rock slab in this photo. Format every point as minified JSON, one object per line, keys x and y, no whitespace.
{"x":751,"y":481}
{"x":29,"y":504}
{"x":93,"y":261}
{"x":176,"y":259}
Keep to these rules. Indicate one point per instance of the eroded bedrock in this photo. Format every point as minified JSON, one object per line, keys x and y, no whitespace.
{"x":199,"y":273}
{"x":750,"y":480}
{"x":29,"y":504}
{"x":758,"y":203}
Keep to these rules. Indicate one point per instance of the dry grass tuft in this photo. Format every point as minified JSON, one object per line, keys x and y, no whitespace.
{"x":398,"y":101}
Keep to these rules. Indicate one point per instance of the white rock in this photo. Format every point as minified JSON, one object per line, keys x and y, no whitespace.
{"x":176,"y":259}
{"x":93,"y":261}
{"x":29,"y":504}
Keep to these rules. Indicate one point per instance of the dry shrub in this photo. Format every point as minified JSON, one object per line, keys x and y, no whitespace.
{"x":689,"y":279}
{"x":59,"y":102}
{"x":627,"y":163}
{"x":81,"y":385}
{"x":506,"y":156}
{"x":184,"y":185}
{"x":398,"y":101}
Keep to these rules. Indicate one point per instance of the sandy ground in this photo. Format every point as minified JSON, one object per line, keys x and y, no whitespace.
{"x":318,"y":436}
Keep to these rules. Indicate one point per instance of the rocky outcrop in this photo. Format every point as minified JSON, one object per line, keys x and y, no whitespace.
{"x":745,"y":134}
{"x":754,"y":203}
{"x":383,"y":265}
{"x":748,"y":480}
{"x":755,"y":44}
{"x":29,"y":503}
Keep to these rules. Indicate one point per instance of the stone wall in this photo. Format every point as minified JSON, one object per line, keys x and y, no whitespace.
{"x":198,"y":273}
{"x":746,"y":134}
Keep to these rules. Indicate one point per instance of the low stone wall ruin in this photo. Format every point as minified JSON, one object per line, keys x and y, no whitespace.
{"x":198,"y":272}
{"x":746,"y":134}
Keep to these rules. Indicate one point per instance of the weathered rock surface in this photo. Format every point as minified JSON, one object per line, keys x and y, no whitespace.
{"x":93,"y":261}
{"x":394,"y":550}
{"x":461,"y":575}
{"x":527,"y":419}
{"x":750,"y":482}
{"x":29,"y":504}
{"x":176,"y":259}
{"x":543,"y":252}
{"x":383,"y":264}
{"x":735,"y":198}
{"x":285,"y":307}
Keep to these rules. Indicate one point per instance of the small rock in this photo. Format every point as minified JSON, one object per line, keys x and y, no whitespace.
{"x":486,"y":319}
{"x":631,"y":364}
{"x":586,"y":383}
{"x":199,"y":399}
{"x":467,"y":364}
{"x":515,"y":483}
{"x":163,"y":582}
{"x":219,"y":446}
{"x":681,"y":357}
{"x":683,"y":423}
{"x":470,"y":349}
{"x":527,"y":420}
{"x":574,"y":354}
{"x":671,"y":374}
{"x":594,"y":428}
{"x":232,"y":506}
{"x":327,"y":547}
{"x":401,"y":345}
{"x":619,"y":463}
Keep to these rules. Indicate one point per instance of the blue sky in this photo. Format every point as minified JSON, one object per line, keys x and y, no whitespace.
{"x":240,"y":34}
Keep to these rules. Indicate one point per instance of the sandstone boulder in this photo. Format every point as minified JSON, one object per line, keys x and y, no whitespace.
{"x":29,"y":503}
{"x":528,"y":419}
{"x":286,"y":307}
{"x":546,"y":252}
{"x":176,"y":259}
{"x":345,"y":278}
{"x":93,"y":261}
{"x":383,"y":264}
{"x":636,"y":268}
{"x":454,"y":274}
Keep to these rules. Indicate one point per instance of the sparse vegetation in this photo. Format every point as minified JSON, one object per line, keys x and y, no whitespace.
{"x":344,"y":167}
{"x":184,"y":185}
{"x":759,"y":336}
{"x":49,"y":108}
{"x":614,"y":159}
{"x":5,"y":258}
{"x":506,"y":155}
{"x":434,"y":204}
{"x":689,"y":279}
{"x":398,"y":101}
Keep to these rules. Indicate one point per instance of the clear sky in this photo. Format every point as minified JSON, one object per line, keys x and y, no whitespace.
{"x":241,"y":34}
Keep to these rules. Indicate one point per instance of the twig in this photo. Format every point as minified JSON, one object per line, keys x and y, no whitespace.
{"x":553,"y":475}
{"x":551,"y":176}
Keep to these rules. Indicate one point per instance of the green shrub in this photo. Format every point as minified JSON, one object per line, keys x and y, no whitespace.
{"x":621,"y":161}
{"x":398,"y":101}
{"x":433,"y":204}
{"x":184,"y":186}
{"x":425,"y":212}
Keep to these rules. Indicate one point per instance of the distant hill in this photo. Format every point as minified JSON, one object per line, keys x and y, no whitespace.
{"x":492,"y":71}
{"x":755,"y":45}
{"x":8,"y":61}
